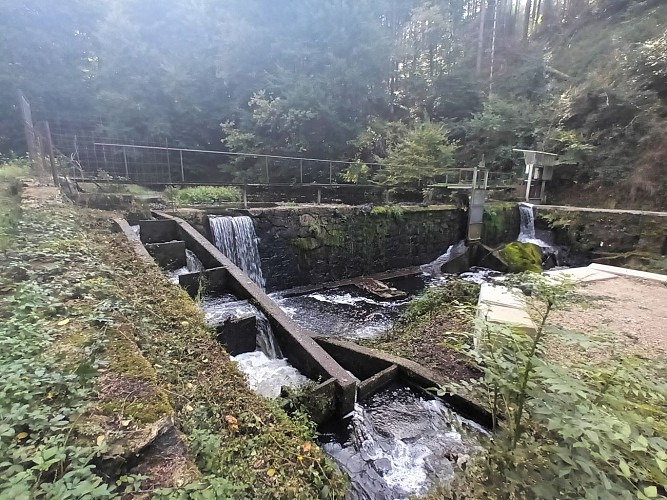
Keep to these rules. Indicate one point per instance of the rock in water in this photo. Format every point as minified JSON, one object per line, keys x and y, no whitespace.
{"x":520,"y":257}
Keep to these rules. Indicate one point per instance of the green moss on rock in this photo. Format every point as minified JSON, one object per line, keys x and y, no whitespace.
{"x":521,"y":257}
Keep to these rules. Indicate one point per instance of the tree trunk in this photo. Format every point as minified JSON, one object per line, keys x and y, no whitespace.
{"x":480,"y":39}
{"x":493,"y":44}
{"x":526,"y":19}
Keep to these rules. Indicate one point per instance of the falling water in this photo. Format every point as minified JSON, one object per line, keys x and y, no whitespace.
{"x":435,"y":268}
{"x":527,"y":230}
{"x":266,"y":340}
{"x":193,"y":263}
{"x":235,"y":237}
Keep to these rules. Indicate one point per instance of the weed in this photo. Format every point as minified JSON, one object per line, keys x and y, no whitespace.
{"x":208,"y":195}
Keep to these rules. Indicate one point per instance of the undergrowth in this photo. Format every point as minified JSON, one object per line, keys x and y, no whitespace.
{"x":207,"y":195}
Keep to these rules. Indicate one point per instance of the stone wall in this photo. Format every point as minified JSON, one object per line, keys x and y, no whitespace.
{"x":590,"y":231}
{"x":307,"y":245}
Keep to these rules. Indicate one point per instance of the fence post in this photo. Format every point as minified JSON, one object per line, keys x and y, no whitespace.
{"x":127,"y":170}
{"x":245,"y":196}
{"x":301,"y":169}
{"x":182,"y":170}
{"x":330,"y":177}
{"x":49,"y":150}
{"x":319,"y":196}
{"x":266,"y":165}
{"x":166,"y":143}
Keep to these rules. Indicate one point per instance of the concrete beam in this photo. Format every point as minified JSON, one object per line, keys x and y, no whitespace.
{"x":135,"y":243}
{"x":209,"y":280}
{"x":377,"y":382}
{"x":302,"y":351}
{"x":238,"y":335}
{"x":349,"y":353}
{"x":169,"y":255}
{"x":158,"y":231}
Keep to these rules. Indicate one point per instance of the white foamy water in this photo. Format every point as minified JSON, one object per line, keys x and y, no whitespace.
{"x":399,"y":444}
{"x":235,"y":237}
{"x":343,"y":299}
{"x":267,"y":376}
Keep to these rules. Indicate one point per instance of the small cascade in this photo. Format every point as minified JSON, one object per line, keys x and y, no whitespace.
{"x":235,"y":237}
{"x":435,"y":268}
{"x":192,"y":262}
{"x":527,"y":235}
{"x":266,"y":340}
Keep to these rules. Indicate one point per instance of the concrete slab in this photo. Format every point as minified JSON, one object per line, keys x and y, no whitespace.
{"x":583,"y":274}
{"x":631,"y":273}
{"x":499,"y":304}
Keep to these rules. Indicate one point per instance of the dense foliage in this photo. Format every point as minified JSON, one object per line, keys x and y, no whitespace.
{"x":354,"y":80}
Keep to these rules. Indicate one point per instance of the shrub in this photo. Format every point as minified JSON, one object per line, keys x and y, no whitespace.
{"x":208,"y":195}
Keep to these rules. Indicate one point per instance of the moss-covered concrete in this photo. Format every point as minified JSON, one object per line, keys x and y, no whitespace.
{"x":311,"y":244}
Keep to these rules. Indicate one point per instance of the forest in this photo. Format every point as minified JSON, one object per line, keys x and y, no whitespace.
{"x":420,"y":83}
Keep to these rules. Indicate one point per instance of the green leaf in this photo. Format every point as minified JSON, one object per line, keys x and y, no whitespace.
{"x":651,"y":491}
{"x":625,"y":469}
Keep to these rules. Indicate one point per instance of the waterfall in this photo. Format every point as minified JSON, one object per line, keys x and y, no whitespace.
{"x":435,"y":268}
{"x":235,"y":237}
{"x":266,"y":341}
{"x":193,"y":264}
{"x":527,"y":231}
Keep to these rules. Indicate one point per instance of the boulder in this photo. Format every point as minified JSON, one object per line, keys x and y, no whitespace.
{"x":520,"y":257}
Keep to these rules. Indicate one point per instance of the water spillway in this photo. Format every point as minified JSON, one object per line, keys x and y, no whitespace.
{"x":235,"y":237}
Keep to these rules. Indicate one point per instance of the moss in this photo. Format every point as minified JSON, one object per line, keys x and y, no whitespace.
{"x":521,"y":257}
{"x":306,"y":244}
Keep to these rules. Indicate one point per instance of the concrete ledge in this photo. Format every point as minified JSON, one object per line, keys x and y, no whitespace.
{"x":135,"y":243}
{"x":211,"y":280}
{"x":169,"y":255}
{"x":376,"y":382}
{"x":498,"y":304}
{"x":351,"y":354}
{"x":158,"y":231}
{"x":302,"y":351}
{"x":630,"y":273}
{"x":583,"y":274}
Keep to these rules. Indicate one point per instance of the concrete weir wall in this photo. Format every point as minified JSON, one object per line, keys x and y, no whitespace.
{"x":299,"y":347}
{"x":302,"y":246}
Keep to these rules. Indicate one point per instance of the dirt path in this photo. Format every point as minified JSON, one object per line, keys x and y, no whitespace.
{"x":630,"y":312}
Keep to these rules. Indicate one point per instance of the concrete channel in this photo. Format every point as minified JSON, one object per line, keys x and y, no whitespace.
{"x":346,"y":371}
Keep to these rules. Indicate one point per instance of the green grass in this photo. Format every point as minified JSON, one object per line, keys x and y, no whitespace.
{"x":206,"y":195}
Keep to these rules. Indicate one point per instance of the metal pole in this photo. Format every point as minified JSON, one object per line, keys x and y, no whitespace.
{"x":245,"y":196}
{"x":529,"y":181}
{"x":330,"y":176}
{"x":266,"y":163}
{"x":166,"y":143}
{"x":301,"y":169}
{"x":49,"y":150}
{"x":127,"y":170}
{"x":182,"y":170}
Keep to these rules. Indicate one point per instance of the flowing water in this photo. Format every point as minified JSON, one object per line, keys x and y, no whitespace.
{"x":435,"y":268}
{"x":399,"y":442}
{"x":235,"y":237}
{"x":192,"y":265}
{"x":527,"y":234}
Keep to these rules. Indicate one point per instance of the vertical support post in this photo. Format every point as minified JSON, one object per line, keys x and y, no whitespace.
{"x":319,"y":196}
{"x":386,"y":196}
{"x":245,"y":196}
{"x":49,"y":150}
{"x":543,"y":193}
{"x":127,"y":170}
{"x":529,"y":182}
{"x":266,"y":165}
{"x":166,"y":148}
{"x":330,"y":172}
{"x":301,"y":169}
{"x":486,"y":180}
{"x":182,"y":169}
